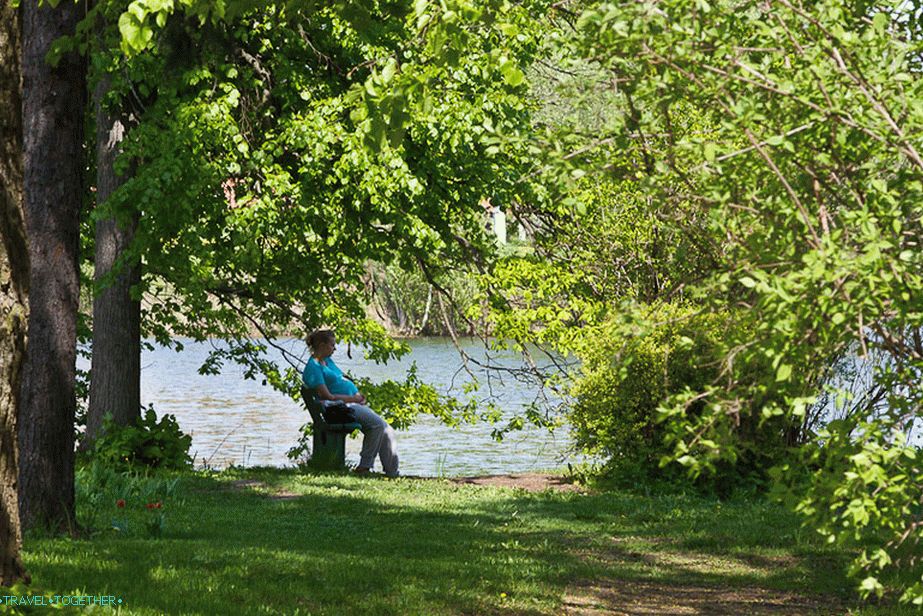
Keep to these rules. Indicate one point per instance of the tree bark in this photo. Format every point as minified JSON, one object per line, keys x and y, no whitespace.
{"x":115,"y":374}
{"x":53,"y":114}
{"x":14,"y":288}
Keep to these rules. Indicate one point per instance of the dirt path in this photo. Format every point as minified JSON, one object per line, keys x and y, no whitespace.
{"x":271,"y":492}
{"x":531,"y":482}
{"x":662,"y":596}
{"x":645,"y":598}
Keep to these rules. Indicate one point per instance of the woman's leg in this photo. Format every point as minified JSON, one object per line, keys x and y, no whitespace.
{"x":388,"y":452}
{"x":378,"y":440}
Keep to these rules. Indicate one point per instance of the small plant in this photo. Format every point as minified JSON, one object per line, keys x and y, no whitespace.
{"x":154,"y":521}
{"x":148,"y":443}
{"x":300,"y":453}
{"x":151,"y":518}
{"x":441,"y":466}
{"x":129,"y":503}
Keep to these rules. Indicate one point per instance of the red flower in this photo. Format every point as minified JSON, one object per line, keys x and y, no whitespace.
{"x":156,"y":505}
{"x":150,"y":505}
{"x":120,"y":503}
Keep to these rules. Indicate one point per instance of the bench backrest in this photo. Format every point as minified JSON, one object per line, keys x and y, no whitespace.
{"x":314,"y":407}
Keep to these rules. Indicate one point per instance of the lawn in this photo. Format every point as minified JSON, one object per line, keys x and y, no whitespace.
{"x":270,"y":541}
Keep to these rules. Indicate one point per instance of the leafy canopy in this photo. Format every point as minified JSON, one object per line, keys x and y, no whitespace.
{"x":281,"y":148}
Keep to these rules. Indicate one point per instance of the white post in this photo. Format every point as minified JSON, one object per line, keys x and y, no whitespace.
{"x":500,"y":225}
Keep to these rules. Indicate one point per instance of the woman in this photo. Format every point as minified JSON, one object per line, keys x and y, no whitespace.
{"x":323,"y":376}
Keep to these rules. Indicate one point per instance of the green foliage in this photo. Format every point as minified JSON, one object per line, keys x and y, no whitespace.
{"x":643,"y":359}
{"x":809,"y":181}
{"x":628,"y":371}
{"x":281,"y":148}
{"x":300,"y":452}
{"x":610,"y":246}
{"x":402,"y":402}
{"x":865,"y":486}
{"x":146,"y":444}
{"x":129,"y":504}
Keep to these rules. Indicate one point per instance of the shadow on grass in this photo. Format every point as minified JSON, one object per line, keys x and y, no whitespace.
{"x":378,"y":547}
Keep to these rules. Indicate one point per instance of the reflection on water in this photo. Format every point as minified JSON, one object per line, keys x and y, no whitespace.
{"x":238,"y":421}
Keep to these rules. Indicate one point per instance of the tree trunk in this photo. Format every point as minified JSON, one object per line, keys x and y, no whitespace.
{"x":115,"y":374}
{"x":14,"y":288}
{"x":53,"y":115}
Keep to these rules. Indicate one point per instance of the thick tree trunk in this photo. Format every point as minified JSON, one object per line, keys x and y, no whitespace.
{"x":14,"y":285}
{"x":115,"y":374}
{"x":53,"y":108}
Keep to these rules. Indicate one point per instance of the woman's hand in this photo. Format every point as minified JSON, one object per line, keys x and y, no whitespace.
{"x":359,"y":398}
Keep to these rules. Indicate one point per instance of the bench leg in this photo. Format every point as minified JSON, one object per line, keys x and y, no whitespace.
{"x":329,"y":450}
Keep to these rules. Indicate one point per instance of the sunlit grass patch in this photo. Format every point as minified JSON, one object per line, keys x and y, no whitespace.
{"x":272,"y":541}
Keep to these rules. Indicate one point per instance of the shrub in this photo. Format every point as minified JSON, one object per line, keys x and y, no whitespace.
{"x":148,"y":443}
{"x":632,"y":367}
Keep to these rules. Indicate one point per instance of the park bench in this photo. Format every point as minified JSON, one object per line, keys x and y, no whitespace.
{"x":329,"y":445}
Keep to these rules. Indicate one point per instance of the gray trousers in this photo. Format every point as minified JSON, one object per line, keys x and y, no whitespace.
{"x":379,"y":439}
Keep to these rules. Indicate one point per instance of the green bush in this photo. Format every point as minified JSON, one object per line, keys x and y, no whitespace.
{"x":148,"y":443}
{"x":632,"y":367}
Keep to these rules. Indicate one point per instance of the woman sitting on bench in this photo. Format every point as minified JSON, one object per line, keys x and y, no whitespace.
{"x":323,"y":376}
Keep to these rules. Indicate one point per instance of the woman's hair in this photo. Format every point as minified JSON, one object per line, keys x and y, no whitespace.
{"x":319,"y":337}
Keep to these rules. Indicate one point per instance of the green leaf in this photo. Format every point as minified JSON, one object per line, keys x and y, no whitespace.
{"x":135,"y":34}
{"x":508,"y":29}
{"x":387,"y":73}
{"x":880,"y":21}
{"x":871,"y":585}
{"x":784,"y":372}
{"x":775,"y":140}
{"x":511,"y":73}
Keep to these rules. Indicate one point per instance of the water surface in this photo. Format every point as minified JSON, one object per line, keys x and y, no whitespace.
{"x":237,"y":421}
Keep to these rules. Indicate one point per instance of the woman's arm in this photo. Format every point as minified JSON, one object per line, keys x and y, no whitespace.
{"x":324,"y":394}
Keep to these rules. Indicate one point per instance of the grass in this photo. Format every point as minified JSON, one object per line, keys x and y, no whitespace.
{"x":270,"y":541}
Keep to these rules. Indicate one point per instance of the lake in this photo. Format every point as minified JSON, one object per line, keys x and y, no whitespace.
{"x":237,"y":421}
